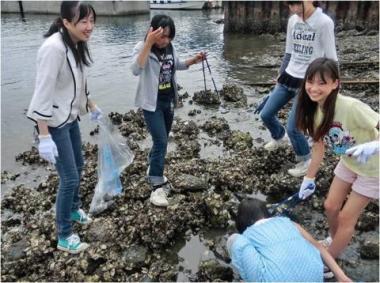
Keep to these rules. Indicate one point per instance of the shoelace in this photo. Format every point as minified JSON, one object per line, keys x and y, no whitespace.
{"x":73,"y":239}
{"x":83,"y":215}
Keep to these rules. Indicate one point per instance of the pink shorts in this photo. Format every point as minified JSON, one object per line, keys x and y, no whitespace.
{"x":365,"y":186}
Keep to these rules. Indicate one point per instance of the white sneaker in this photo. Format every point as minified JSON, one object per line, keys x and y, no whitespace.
{"x":326,"y":242}
{"x":300,"y":169}
{"x":274,"y":144}
{"x":158,"y":197}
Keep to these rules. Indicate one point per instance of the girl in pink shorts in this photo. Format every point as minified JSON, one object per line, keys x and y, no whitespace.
{"x":351,"y":129}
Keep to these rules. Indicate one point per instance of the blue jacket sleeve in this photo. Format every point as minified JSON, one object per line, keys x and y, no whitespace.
{"x":245,"y":258}
{"x":285,"y":62}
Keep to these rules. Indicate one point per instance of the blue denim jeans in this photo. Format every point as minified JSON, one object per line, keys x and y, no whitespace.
{"x":69,"y":166}
{"x":277,"y":99}
{"x":159,"y":124}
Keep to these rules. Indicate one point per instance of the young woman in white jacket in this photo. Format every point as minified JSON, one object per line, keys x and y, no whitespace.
{"x":60,"y":96}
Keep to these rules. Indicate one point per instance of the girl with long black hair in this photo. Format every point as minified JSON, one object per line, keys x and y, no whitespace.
{"x":349,"y":128}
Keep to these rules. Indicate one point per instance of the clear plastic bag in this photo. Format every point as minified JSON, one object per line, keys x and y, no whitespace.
{"x":114,"y":156}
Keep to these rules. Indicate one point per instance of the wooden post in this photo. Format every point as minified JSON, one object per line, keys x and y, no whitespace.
{"x":271,"y":16}
{"x":21,"y":10}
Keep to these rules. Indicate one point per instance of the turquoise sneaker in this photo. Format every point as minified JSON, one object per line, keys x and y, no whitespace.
{"x":80,"y":216}
{"x":72,"y":244}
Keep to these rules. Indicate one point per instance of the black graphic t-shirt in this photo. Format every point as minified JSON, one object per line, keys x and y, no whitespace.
{"x":165,"y":80}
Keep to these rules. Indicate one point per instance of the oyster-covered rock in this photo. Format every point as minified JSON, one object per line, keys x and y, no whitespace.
{"x":31,"y":157}
{"x":235,"y":94}
{"x":207,"y":97}
{"x":217,"y":211}
{"x":216,"y":126}
{"x":238,"y":140}
{"x":369,"y":249}
{"x":189,"y":183}
{"x":212,"y":270}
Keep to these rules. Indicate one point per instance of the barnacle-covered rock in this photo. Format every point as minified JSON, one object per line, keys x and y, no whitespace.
{"x":207,"y":97}
{"x":369,"y":248}
{"x":31,"y":157}
{"x":216,"y":126}
{"x":238,"y":140}
{"x":185,"y":129}
{"x":189,"y":183}
{"x":235,"y":94}
{"x":217,"y":211}
{"x":212,"y":270}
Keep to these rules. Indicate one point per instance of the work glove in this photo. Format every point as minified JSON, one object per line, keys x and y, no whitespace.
{"x":96,"y":114}
{"x":363,"y":151}
{"x":47,"y":148}
{"x":307,"y":188}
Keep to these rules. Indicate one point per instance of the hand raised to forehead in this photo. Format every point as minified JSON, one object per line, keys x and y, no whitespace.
{"x":154,"y":35}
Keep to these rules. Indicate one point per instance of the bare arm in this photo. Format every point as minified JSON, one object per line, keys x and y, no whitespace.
{"x":91,"y":105}
{"x":318,"y":152}
{"x":327,"y":258}
{"x":196,"y":59}
{"x":42,"y":127}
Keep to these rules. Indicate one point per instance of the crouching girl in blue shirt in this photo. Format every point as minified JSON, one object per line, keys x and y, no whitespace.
{"x":271,"y":249}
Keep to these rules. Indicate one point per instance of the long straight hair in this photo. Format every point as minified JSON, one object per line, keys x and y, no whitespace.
{"x":306,"y":108}
{"x":69,"y":11}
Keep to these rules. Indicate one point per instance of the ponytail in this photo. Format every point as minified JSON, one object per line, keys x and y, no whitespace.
{"x":71,"y":10}
{"x":55,"y":27}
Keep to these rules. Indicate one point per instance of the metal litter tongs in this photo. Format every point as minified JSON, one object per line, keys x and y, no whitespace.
{"x":222,"y":108}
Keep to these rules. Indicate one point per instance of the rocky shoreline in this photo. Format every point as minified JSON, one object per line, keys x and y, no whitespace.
{"x":133,"y":240}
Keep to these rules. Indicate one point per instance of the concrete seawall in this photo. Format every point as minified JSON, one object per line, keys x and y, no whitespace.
{"x":102,"y":8}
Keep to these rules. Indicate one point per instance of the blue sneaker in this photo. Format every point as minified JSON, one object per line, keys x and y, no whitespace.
{"x":72,"y":244}
{"x":80,"y":216}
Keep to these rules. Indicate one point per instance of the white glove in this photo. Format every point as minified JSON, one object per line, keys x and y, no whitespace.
{"x":307,"y":188}
{"x":47,"y":148}
{"x":363,"y":151}
{"x":96,"y":114}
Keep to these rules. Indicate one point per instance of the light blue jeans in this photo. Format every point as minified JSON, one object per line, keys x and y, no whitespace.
{"x":279,"y":97}
{"x":69,"y":166}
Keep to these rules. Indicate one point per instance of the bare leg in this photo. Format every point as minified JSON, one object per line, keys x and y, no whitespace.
{"x":347,"y":219}
{"x":337,"y":194}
